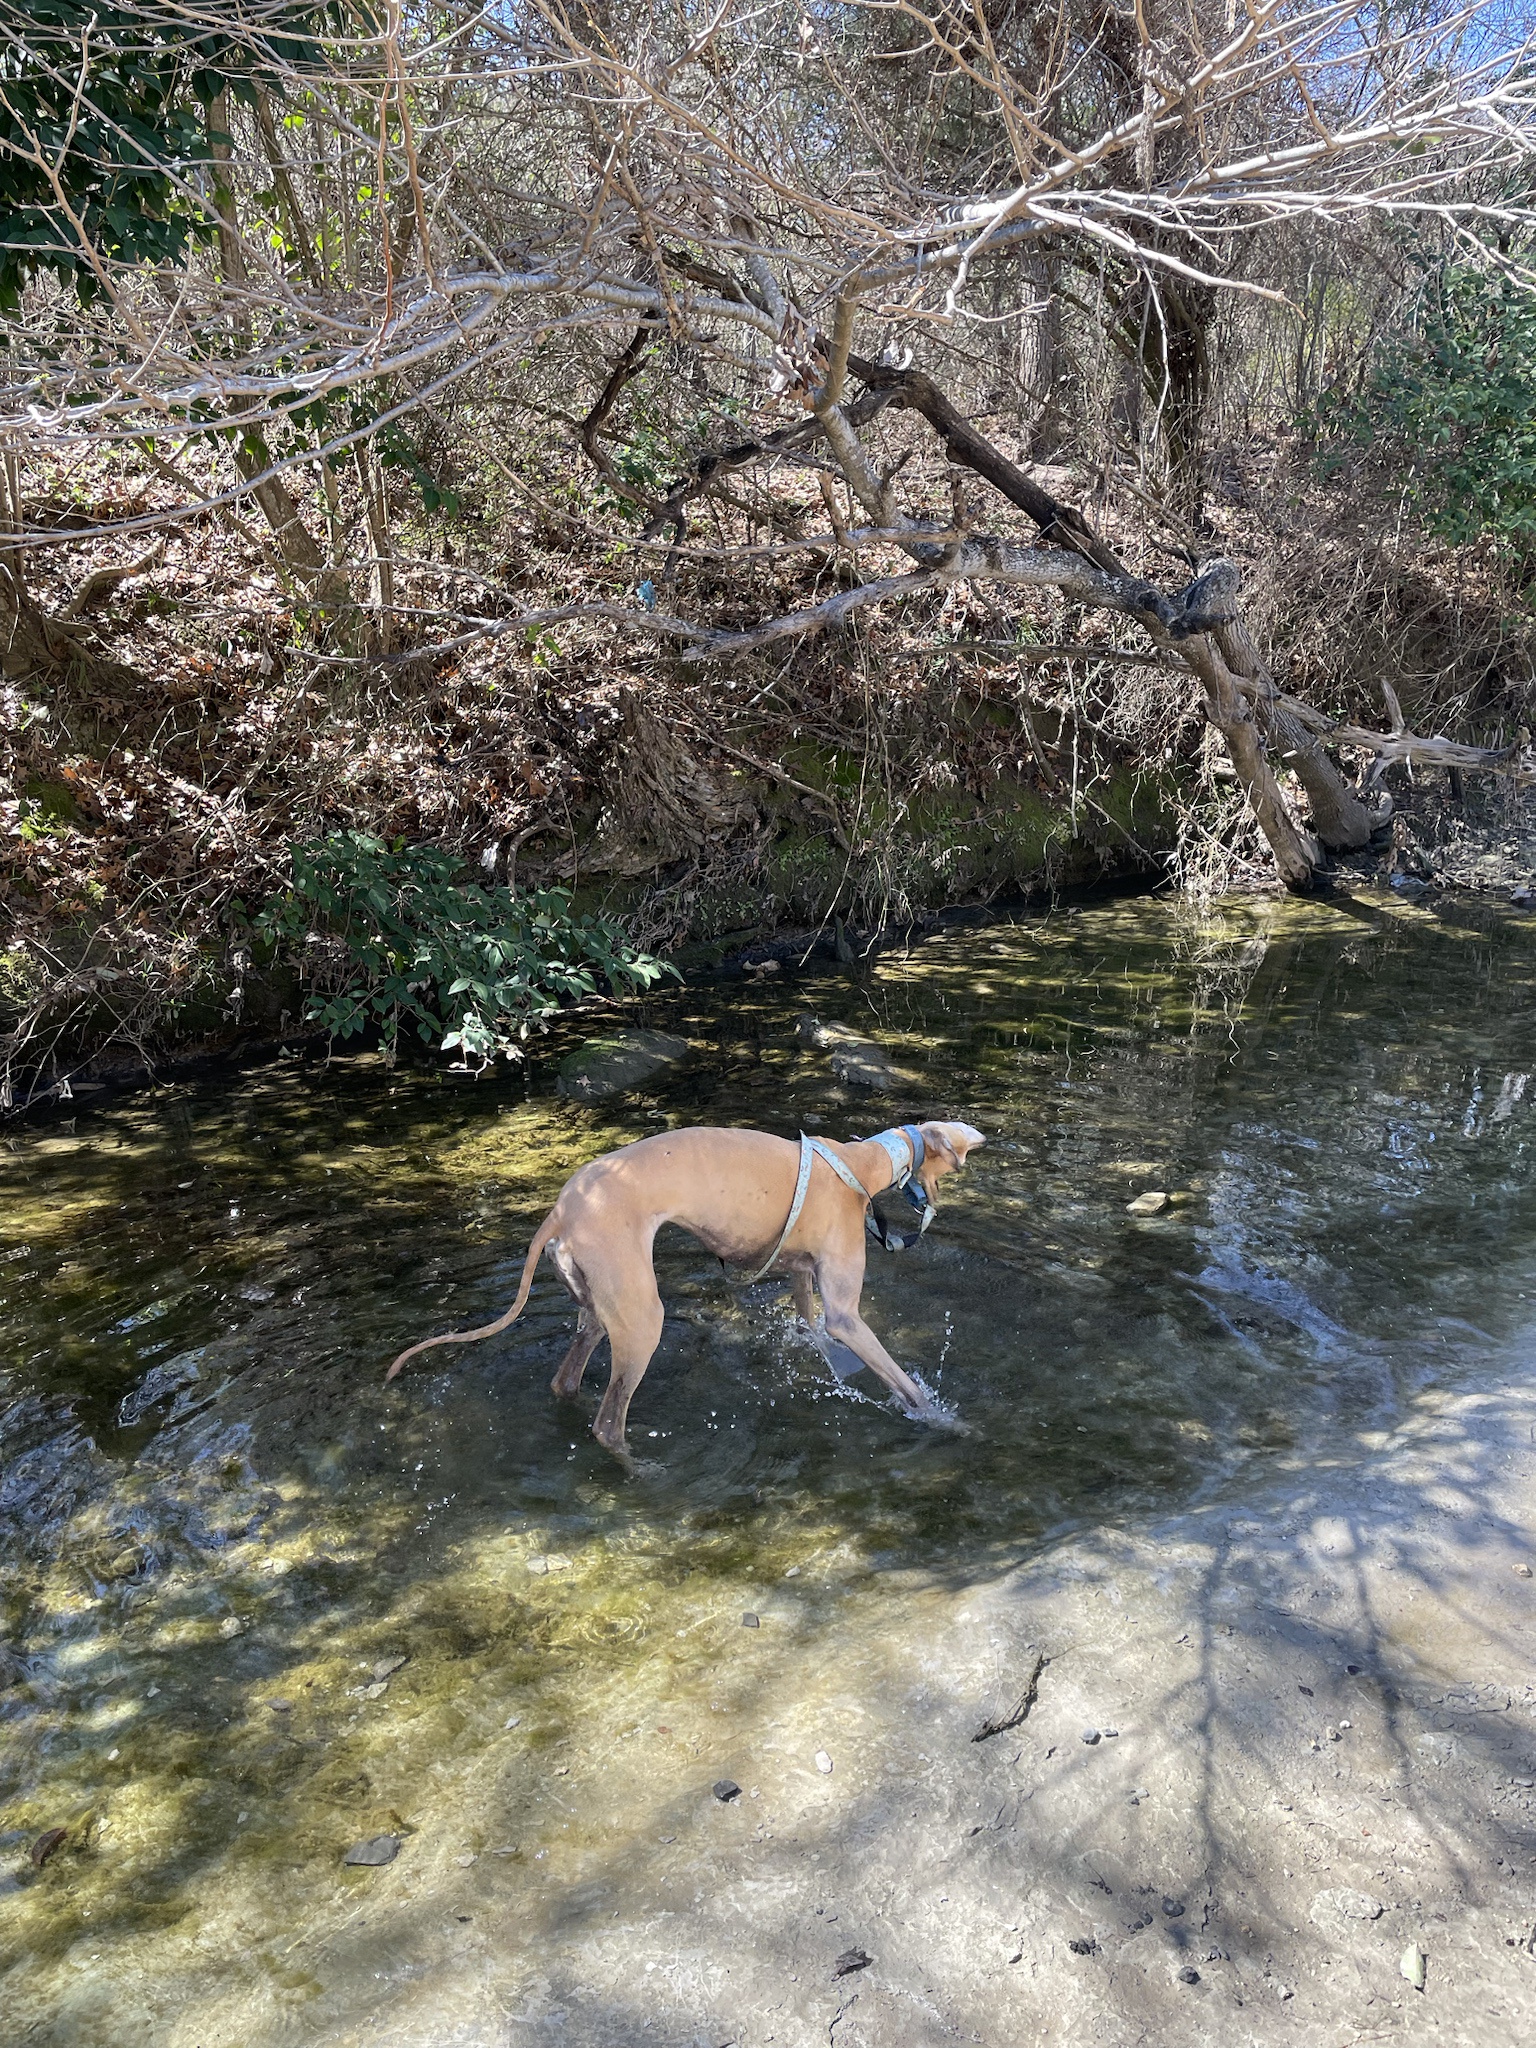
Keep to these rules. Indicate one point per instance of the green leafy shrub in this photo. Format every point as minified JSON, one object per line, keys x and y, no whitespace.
{"x":1455,"y":401}
{"x":407,"y":936}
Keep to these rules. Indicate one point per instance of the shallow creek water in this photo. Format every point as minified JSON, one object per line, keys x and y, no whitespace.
{"x":220,"y":1532}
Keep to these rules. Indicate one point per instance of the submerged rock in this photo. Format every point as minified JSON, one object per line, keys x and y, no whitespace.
{"x":376,"y":1850}
{"x":725,"y":1790}
{"x":857,"y":1062}
{"x":1148,"y":1204}
{"x":608,"y":1066}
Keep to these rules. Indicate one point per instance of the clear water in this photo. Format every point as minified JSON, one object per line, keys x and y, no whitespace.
{"x":218,"y":1528}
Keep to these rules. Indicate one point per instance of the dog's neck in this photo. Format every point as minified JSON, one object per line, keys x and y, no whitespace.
{"x":875,"y":1165}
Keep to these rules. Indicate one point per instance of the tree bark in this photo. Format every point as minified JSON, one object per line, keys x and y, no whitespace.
{"x":301,"y":552}
{"x":1340,"y":820}
{"x":1297,"y":854}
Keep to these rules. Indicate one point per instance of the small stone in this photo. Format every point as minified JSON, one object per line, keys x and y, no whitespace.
{"x":538,"y":1565}
{"x":1189,"y":1976}
{"x":850,"y":1960}
{"x":1173,"y":1908}
{"x":44,"y":1846}
{"x":513,"y":1721}
{"x":1283,"y":1992}
{"x":376,"y":1850}
{"x":1332,"y":1908}
{"x":232,"y":1626}
{"x":1524,"y":1783}
{"x":465,"y":1860}
{"x":725,"y":1790}
{"x":1412,"y":1965}
{"x":750,"y":1621}
{"x":376,"y":1691}
{"x":279,"y":1706}
{"x":1084,"y":1946}
{"x":823,"y":1762}
{"x":1521,"y":1571}
{"x":1333,"y":1735}
{"x":1346,"y":1724}
{"x":1148,"y":1204}
{"x":388,"y":1666}
{"x":1111,"y":1734}
{"x":1090,"y":1736}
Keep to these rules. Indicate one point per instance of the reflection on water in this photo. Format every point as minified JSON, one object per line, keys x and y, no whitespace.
{"x":221,"y":1533}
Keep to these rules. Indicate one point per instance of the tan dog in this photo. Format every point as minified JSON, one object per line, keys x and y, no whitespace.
{"x":733,"y":1190}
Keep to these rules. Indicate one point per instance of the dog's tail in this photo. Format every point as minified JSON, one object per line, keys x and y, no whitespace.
{"x":547,"y":1229}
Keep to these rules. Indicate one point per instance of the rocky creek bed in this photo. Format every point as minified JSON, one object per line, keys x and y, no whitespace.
{"x":336,"y":1713}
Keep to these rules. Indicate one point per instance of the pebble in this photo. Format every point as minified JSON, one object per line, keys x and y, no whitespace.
{"x":750,"y":1621}
{"x":1521,"y":1571}
{"x":465,"y":1860}
{"x":1189,"y":1976}
{"x":1090,"y":1736}
{"x":513,"y":1721}
{"x":232,"y":1626}
{"x":279,"y":1706}
{"x":1412,"y":1965}
{"x":823,"y":1762}
{"x":45,"y":1845}
{"x":388,"y":1666}
{"x":1173,"y":1908}
{"x":725,"y":1790}
{"x":850,"y":1960}
{"x":1148,"y":1204}
{"x":376,"y":1850}
{"x":1111,"y":1734}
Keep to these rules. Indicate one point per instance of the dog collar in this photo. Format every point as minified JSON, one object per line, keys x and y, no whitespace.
{"x":906,"y":1151}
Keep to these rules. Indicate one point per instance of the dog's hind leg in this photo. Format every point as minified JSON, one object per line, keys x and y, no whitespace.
{"x":566,"y":1384}
{"x":630,"y":1308}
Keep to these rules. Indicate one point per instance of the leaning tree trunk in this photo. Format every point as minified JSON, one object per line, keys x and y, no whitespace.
{"x":1339,"y":819}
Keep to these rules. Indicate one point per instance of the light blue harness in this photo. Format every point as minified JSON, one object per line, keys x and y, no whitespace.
{"x":905,"y":1150}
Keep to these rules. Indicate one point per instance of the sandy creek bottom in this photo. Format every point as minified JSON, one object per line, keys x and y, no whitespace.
{"x":1253,"y":1473}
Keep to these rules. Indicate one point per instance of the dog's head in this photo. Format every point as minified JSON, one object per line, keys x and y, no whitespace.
{"x":944,"y":1149}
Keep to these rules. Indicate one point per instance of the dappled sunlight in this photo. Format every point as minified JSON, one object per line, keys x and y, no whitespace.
{"x":260,"y":1608}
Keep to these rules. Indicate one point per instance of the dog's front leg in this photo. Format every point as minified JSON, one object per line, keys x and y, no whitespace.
{"x":805,"y":1301}
{"x":841,"y":1283}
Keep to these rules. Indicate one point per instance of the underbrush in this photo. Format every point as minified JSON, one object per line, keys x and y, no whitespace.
{"x":206,"y":720}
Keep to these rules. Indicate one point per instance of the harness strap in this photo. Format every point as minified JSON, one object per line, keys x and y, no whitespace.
{"x":810,"y":1149}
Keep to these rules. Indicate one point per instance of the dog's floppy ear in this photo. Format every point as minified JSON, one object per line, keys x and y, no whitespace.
{"x":947,"y":1146}
{"x":936,"y":1143}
